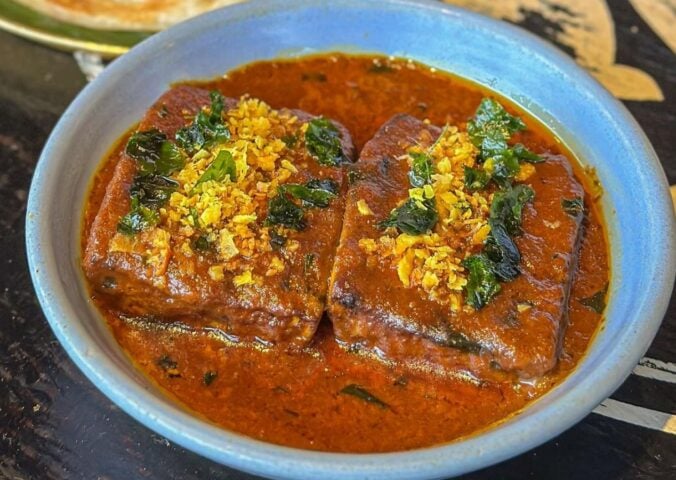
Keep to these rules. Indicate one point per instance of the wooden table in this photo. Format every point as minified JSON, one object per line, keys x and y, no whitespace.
{"x":54,"y":424}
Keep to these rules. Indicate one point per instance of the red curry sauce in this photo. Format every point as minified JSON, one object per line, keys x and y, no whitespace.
{"x":294,"y":399}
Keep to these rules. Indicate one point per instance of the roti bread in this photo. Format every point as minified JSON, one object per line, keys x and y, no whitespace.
{"x":144,"y":15}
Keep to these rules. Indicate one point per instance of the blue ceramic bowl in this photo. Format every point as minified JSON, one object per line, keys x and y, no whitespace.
{"x":551,"y":87}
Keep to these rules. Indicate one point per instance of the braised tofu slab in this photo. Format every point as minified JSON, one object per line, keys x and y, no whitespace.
{"x":223,"y":213}
{"x":443,"y":262}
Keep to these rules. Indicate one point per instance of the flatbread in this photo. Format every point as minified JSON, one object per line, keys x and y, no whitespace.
{"x":144,"y":15}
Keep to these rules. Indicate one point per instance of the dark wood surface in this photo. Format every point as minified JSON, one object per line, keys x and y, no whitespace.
{"x":54,"y":424}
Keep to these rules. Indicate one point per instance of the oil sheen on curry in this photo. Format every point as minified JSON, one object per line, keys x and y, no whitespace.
{"x":346,"y":253}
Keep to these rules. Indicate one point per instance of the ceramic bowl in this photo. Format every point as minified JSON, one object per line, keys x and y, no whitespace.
{"x":546,"y":83}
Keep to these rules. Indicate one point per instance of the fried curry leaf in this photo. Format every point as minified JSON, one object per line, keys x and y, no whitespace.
{"x":596,"y":302}
{"x":503,"y":252}
{"x":573,"y":207}
{"x":290,"y":140}
{"x":282,"y":211}
{"x":222,"y":166}
{"x":491,"y":127}
{"x":482,"y":283}
{"x":145,"y":146}
{"x":421,"y":170}
{"x":322,"y":140}
{"x":325,"y":184}
{"x":507,"y":207}
{"x":171,"y":159}
{"x":153,"y":153}
{"x":315,"y":193}
{"x":363,"y":394}
{"x":153,"y":190}
{"x":522,"y":153}
{"x":202,"y":244}
{"x":207,"y":129}
{"x":209,"y":377}
{"x":476,"y":179}
{"x":277,"y":241}
{"x":503,"y":167}
{"x":165,"y":362}
{"x":138,"y":219}
{"x":413,"y":217}
{"x":353,"y":176}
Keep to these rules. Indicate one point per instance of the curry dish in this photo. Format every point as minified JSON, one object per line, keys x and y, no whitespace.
{"x":346,"y":253}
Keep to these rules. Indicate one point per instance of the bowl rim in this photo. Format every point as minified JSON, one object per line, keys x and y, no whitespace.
{"x":258,"y":457}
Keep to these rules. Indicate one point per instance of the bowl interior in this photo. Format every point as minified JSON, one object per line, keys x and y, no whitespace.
{"x":515,"y":64}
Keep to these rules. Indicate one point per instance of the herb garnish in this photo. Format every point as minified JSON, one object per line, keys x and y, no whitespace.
{"x":290,"y":140}
{"x":502,"y":251}
{"x":167,"y":364}
{"x":153,"y":189}
{"x":476,"y":179}
{"x":315,"y":193}
{"x":277,"y":241}
{"x":413,"y":217}
{"x":491,"y":127}
{"x":206,"y":129}
{"x":156,"y":158}
{"x":421,"y":169}
{"x":363,"y":394}
{"x":353,"y":176}
{"x":573,"y":207}
{"x":138,"y":219}
{"x":482,"y":284}
{"x":490,"y":130}
{"x":222,"y":166}
{"x":209,"y":377}
{"x":282,"y":211}
{"x":322,"y":140}
{"x":596,"y":302}
{"x":507,"y":207}
{"x":201,"y":243}
{"x":500,"y":258}
{"x":153,"y":153}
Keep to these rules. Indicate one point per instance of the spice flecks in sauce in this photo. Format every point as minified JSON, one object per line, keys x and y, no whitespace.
{"x":295,"y":400}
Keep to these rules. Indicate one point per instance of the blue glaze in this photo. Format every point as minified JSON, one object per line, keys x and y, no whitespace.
{"x":586,"y":117}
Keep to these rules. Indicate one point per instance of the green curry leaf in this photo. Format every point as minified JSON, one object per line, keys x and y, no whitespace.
{"x":138,"y":219}
{"x":503,"y":252}
{"x":522,"y":153}
{"x":482,"y":283}
{"x":413,"y":217}
{"x":207,"y":129}
{"x":596,"y":302}
{"x":421,"y":170}
{"x":153,"y":190}
{"x":316,"y":193}
{"x":363,"y":394}
{"x":153,"y":153}
{"x":476,"y":179}
{"x":507,"y":207}
{"x":282,"y":211}
{"x":222,"y":166}
{"x":573,"y":207}
{"x":322,"y":140}
{"x":491,"y":127}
